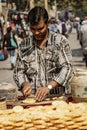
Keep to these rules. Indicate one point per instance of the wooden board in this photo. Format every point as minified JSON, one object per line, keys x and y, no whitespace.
{"x":32,"y":104}
{"x":48,"y":101}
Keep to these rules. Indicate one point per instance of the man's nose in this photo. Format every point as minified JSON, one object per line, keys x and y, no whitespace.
{"x":36,"y":32}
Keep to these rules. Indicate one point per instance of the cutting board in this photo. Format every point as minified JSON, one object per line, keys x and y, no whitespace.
{"x":48,"y":101}
{"x":32,"y":104}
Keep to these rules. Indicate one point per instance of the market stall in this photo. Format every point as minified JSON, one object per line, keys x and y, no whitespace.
{"x":59,"y":116}
{"x":54,"y":113}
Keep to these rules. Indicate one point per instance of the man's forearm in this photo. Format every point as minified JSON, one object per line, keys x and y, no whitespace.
{"x":53,"y":84}
{"x":25,"y":84}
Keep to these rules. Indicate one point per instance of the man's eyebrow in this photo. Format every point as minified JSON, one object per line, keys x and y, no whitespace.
{"x":38,"y":28}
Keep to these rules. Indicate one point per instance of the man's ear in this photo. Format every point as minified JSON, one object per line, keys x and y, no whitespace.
{"x":49,"y":22}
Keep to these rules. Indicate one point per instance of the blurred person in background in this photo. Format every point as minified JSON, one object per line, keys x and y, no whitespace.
{"x":69,"y":27}
{"x":2,"y":19}
{"x":43,"y":65}
{"x":53,"y":25}
{"x":63,"y":28}
{"x":1,"y":34}
{"x":83,"y":38}
{"x":77,"y":26}
{"x":7,"y":45}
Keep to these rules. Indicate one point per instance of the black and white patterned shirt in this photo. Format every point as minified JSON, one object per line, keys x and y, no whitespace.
{"x":40,"y":66}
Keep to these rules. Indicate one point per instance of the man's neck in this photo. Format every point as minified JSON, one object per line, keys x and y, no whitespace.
{"x":43,"y":42}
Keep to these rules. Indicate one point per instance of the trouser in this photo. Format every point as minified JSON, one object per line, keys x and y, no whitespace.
{"x":12,"y":56}
{"x":85,"y":56}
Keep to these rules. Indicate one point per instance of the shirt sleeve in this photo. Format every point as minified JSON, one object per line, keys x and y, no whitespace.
{"x":19,"y":72}
{"x":65,"y":58}
{"x":4,"y":40}
{"x":20,"y":69}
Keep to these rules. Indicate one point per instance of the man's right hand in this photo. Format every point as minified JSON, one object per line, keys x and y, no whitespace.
{"x":27,"y":89}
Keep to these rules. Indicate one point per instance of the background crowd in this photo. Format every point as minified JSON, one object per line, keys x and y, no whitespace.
{"x":17,"y":20}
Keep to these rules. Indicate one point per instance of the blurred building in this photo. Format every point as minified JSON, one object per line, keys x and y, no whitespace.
{"x":2,"y":6}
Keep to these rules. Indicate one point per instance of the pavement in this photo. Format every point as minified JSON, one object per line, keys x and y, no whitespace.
{"x":77,"y":56}
{"x":6,"y":75}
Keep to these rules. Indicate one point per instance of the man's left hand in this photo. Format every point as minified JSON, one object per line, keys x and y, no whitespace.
{"x":41,"y":93}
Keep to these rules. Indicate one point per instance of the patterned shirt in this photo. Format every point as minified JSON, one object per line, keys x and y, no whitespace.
{"x":39,"y":66}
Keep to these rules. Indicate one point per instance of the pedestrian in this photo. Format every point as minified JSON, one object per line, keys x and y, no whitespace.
{"x":43,"y":65}
{"x":2,"y":18}
{"x":77,"y":26}
{"x":83,"y":38}
{"x":63,"y":28}
{"x":7,"y":45}
{"x":1,"y":34}
{"x":53,"y":25}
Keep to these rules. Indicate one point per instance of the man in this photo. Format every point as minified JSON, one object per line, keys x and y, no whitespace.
{"x":83,"y":38}
{"x":43,"y":65}
{"x":8,"y":36}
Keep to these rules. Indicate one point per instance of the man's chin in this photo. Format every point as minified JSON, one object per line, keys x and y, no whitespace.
{"x":38,"y":38}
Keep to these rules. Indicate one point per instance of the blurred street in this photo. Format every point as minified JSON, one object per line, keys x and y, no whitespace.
{"x":77,"y":57}
{"x":6,"y":75}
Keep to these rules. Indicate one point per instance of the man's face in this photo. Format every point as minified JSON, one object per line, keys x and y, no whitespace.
{"x":39,"y":30}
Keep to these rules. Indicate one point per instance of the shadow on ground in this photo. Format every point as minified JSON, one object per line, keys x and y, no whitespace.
{"x":77,"y":52}
{"x":5,"y":68}
{"x":80,"y":65}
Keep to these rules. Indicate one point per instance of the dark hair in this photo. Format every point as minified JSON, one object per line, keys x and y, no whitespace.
{"x":9,"y":29}
{"x":36,"y":13}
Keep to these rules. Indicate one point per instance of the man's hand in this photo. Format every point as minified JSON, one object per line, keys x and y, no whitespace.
{"x":27,"y":89}
{"x":41,"y":93}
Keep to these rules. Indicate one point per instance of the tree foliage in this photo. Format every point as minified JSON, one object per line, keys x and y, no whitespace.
{"x":79,"y":6}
